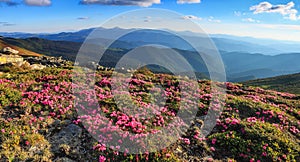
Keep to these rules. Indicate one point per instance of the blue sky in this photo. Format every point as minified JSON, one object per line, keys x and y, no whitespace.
{"x":276,"y":19}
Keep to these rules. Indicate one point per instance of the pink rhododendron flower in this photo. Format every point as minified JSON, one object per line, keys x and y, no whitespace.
{"x":213,"y":141}
{"x":102,"y":158}
{"x":27,"y":143}
{"x":168,"y":155}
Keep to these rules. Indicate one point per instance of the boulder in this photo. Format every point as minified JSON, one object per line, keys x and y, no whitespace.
{"x":9,"y":50}
{"x":37,"y":66}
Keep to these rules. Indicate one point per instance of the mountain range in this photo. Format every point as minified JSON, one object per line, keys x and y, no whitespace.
{"x":243,"y":60}
{"x":223,"y":42}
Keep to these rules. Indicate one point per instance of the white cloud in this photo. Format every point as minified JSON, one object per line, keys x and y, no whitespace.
{"x":288,"y":10}
{"x":143,"y":3}
{"x":237,"y":13}
{"x":212,"y":19}
{"x":188,"y":1}
{"x":191,"y":17}
{"x":38,"y":2}
{"x":251,"y":20}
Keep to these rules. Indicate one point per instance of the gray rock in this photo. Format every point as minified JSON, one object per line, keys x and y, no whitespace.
{"x":71,"y":130}
{"x":68,"y":141}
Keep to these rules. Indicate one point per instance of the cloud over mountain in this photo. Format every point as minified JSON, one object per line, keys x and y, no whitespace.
{"x":143,"y":3}
{"x":287,"y":10}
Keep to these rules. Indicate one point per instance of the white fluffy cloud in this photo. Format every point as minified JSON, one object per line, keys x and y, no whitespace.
{"x":251,"y":20}
{"x":237,"y":13}
{"x":38,"y":2}
{"x":287,"y":10}
{"x":188,"y":1}
{"x":143,"y":3}
{"x":191,"y":17}
{"x":212,"y":19}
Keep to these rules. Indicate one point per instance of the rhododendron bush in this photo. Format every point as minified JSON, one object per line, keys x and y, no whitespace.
{"x":254,"y":125}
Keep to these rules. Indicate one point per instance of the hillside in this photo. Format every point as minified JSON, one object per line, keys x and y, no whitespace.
{"x":285,"y":83}
{"x":42,"y":118}
{"x":50,"y":48}
{"x":23,"y":51}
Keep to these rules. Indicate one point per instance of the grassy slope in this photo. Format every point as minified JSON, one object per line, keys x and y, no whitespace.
{"x":23,"y":51}
{"x":284,"y":83}
{"x":51,"y":48}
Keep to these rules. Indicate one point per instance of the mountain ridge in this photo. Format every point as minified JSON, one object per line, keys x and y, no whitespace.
{"x":227,"y":43}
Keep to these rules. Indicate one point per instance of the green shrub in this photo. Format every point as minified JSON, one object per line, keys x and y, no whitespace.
{"x":9,"y":96}
{"x":261,"y":141}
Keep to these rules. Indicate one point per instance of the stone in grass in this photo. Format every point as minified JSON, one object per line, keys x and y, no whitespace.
{"x":68,"y":141}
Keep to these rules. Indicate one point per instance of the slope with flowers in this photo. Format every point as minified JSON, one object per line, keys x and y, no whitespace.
{"x":39,"y":121}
